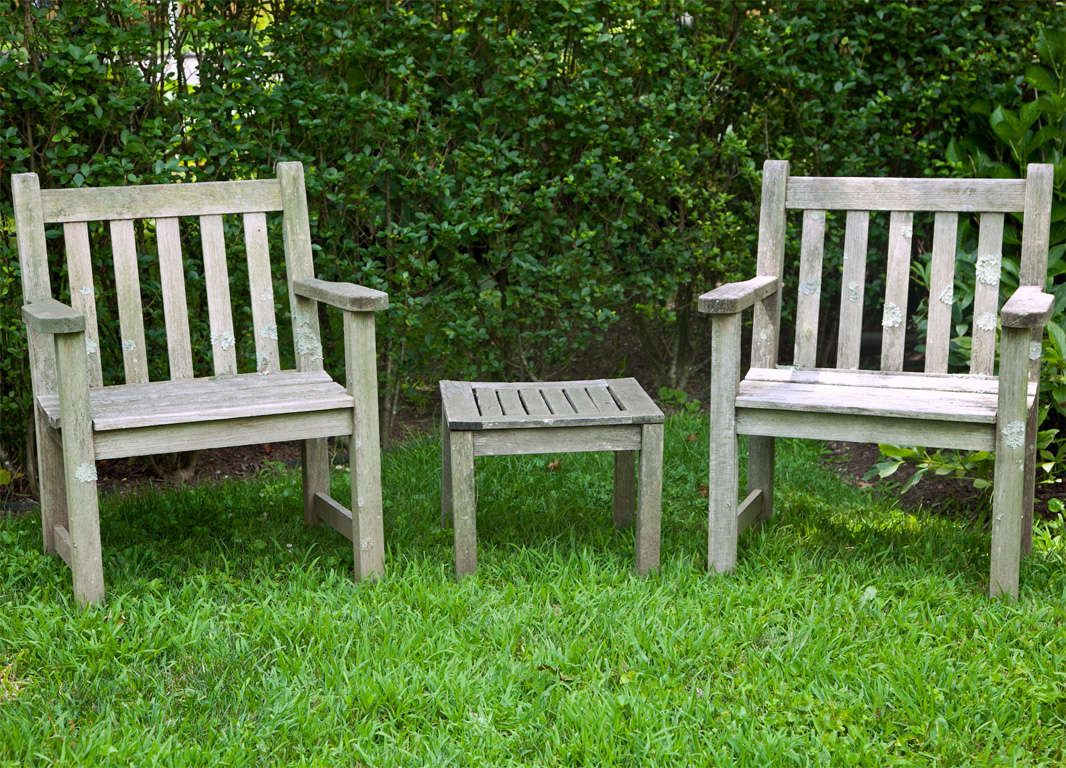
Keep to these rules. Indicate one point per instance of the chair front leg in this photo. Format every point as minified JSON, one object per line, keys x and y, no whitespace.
{"x":723,"y":480}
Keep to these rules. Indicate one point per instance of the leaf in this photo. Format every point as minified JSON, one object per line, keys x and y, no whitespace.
{"x":552,"y":466}
{"x":1051,"y":45}
{"x":980,"y":483}
{"x":887,"y":468}
{"x":5,"y":477}
{"x":1005,"y":124}
{"x":1038,"y":77}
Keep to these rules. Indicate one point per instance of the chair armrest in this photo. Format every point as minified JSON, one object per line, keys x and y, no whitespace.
{"x":736,"y":297}
{"x":1028,"y":307}
{"x":347,"y":296}
{"x":51,"y":316}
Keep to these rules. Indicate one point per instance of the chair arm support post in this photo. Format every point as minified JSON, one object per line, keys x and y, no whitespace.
{"x":1028,"y":307}
{"x":723,"y":480}
{"x":51,"y":316}
{"x":736,"y":297}
{"x":347,"y":296}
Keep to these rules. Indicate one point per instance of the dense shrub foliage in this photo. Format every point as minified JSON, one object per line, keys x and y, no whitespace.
{"x":517,"y":175}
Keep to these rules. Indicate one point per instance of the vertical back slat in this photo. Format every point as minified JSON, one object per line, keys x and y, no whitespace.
{"x":941,"y":292}
{"x":261,"y":286}
{"x":175,"y":306}
{"x":128,"y":292}
{"x":82,"y":293}
{"x":810,"y":288}
{"x":33,"y":258}
{"x":894,"y":316}
{"x":219,"y":309}
{"x":771,"y":256}
{"x":1036,"y":226}
{"x":853,"y":286}
{"x":986,"y":294}
{"x":296,"y":232}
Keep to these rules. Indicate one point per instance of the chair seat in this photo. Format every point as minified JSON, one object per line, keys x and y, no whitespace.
{"x":938,"y":397}
{"x":477,"y":405}
{"x":185,"y":401}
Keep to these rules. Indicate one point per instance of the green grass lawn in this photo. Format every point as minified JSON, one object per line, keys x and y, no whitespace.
{"x":851,"y":633}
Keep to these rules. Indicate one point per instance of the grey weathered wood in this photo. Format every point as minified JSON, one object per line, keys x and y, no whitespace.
{"x":175,"y":306}
{"x":232,"y":397}
{"x":464,"y":502}
{"x":62,"y":545}
{"x":349,"y":296}
{"x":51,"y":480}
{"x":261,"y":289}
{"x":364,"y":448}
{"x":852,"y":290}
{"x":79,"y":470}
{"x":296,"y":233}
{"x":736,"y":297}
{"x":219,"y":306}
{"x":1028,"y":307}
{"x":457,"y":397}
{"x":488,"y":402}
{"x":557,"y":401}
{"x":601,"y":399}
{"x":195,"y":436}
{"x":128,"y":291}
{"x":766,"y":322}
{"x":549,"y":439}
{"x":83,"y":293}
{"x":761,"y":472}
{"x":894,"y":315}
{"x":625,"y":489}
{"x":632,"y":399}
{"x":809,"y":299}
{"x":1036,"y":227}
{"x":863,"y":428}
{"x":1011,"y":440}
{"x":750,"y":511}
{"x":986,"y":294}
{"x":723,"y":482}
{"x":335,"y":515}
{"x":52,"y":317}
{"x":950,"y":382}
{"x":581,"y":400}
{"x":533,"y":402}
{"x":156,"y":201}
{"x":446,"y":474}
{"x":941,"y":292}
{"x":888,"y":194}
{"x":649,"y":499}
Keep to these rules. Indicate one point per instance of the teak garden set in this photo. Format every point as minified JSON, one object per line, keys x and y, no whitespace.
{"x":80,"y":420}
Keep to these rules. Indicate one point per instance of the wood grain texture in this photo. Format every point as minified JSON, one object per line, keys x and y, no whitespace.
{"x":219,"y":306}
{"x":761,"y":450}
{"x":625,"y":489}
{"x":890,"y":194}
{"x":766,"y":323}
{"x":649,"y":499}
{"x":175,"y":306}
{"x":347,"y":296}
{"x":445,"y":474}
{"x":723,"y":480}
{"x":1028,"y":307}
{"x":261,"y":287}
{"x":986,"y":294}
{"x":296,"y":234}
{"x":897,"y":281}
{"x":334,"y":514}
{"x":83,"y":293}
{"x":736,"y":297}
{"x":1036,"y":226}
{"x":128,"y":294}
{"x":852,"y":290}
{"x":510,"y":442}
{"x":52,"y":317}
{"x":464,"y":502}
{"x":941,"y":292}
{"x":750,"y":511}
{"x":808,"y":302}
{"x":155,"y":201}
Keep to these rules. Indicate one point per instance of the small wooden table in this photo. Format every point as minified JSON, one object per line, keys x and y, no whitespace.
{"x":503,"y":419}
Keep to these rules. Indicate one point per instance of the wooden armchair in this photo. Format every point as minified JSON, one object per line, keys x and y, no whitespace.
{"x":978,"y":410}
{"x":79,"y":420}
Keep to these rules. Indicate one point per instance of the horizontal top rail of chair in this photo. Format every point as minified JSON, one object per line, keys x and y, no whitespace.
{"x":958,"y":398}
{"x":156,"y":403}
{"x":473,"y":405}
{"x":348,"y":296}
{"x":157,"y":201}
{"x":890,"y":194}
{"x":736,"y":297}
{"x":52,"y":316}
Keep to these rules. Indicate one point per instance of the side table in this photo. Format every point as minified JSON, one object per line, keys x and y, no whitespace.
{"x":503,"y":419}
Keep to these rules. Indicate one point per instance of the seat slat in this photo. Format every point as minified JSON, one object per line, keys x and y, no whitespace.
{"x":810,"y":288}
{"x":941,"y":292}
{"x":261,"y":287}
{"x":599,"y":395}
{"x":579,"y":398}
{"x":959,"y":382}
{"x":533,"y":401}
{"x":986,"y":294}
{"x":156,"y":201}
{"x":557,"y":401}
{"x":191,"y":400}
{"x":175,"y":305}
{"x":632,"y":398}
{"x":128,"y":291}
{"x":511,"y":403}
{"x":853,"y":286}
{"x":888,"y":194}
{"x":219,"y":307}
{"x":83,"y":294}
{"x":894,"y":315}
{"x":487,"y":402}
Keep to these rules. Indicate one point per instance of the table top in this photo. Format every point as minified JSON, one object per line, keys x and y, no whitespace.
{"x":476,"y":405}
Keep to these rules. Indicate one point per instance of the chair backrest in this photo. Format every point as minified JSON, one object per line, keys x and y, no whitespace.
{"x":166,"y":204}
{"x":900,"y":199}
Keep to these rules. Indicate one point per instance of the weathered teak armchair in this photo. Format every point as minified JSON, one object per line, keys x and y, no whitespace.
{"x":78,"y":420}
{"x":972,"y":411}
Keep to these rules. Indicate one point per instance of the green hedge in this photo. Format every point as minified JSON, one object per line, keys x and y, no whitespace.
{"x":517,"y":175}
